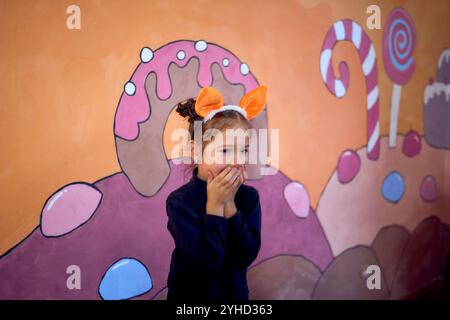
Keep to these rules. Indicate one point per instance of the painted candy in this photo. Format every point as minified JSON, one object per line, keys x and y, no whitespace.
{"x":298,"y":199}
{"x":411,"y":144}
{"x":69,"y":208}
{"x":348,"y":166}
{"x":125,"y":279}
{"x":393,"y":187}
{"x":349,"y":30}
{"x":428,"y":189}
{"x":399,"y":42}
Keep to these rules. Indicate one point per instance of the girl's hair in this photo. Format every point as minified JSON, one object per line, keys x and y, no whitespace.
{"x":220,"y":121}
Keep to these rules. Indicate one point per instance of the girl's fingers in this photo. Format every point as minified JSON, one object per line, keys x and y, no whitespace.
{"x":237,"y":182}
{"x":223,"y":173}
{"x":240,"y":176}
{"x":228,"y":178}
{"x":234,"y":177}
{"x":209,"y":177}
{"x":242,"y":179}
{"x":229,"y":185}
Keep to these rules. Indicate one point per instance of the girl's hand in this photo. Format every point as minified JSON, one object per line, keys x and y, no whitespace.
{"x":221,"y":189}
{"x":242,"y":178}
{"x":230,"y":207}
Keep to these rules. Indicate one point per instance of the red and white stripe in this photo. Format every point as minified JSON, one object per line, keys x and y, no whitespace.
{"x":349,"y":30}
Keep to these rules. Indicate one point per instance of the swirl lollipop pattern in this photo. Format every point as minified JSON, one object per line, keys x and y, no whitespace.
{"x":399,"y":42}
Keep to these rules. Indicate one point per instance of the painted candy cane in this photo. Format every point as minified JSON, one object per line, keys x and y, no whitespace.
{"x":349,"y":30}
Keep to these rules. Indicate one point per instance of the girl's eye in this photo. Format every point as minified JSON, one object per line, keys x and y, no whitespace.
{"x":224,"y":150}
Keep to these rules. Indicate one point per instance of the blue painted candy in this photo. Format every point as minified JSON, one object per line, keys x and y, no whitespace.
{"x":393,"y":187}
{"x":125,"y":279}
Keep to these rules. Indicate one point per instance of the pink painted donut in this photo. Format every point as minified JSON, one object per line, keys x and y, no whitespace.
{"x":134,"y":106}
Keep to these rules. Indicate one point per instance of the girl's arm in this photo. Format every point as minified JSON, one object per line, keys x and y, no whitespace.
{"x":244,"y":232}
{"x":202,"y":243}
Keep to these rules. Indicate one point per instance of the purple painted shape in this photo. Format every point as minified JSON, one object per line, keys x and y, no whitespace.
{"x":68,"y":208}
{"x":428,"y":189}
{"x":348,"y":166}
{"x":298,"y":199}
{"x":135,"y":108}
{"x":412,"y":144}
{"x":127,"y":224}
{"x":282,"y":231}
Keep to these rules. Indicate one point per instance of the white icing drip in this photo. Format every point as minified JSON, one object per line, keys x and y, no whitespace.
{"x":436,"y":89}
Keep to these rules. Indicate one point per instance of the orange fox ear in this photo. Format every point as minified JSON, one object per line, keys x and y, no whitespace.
{"x":253,"y":101}
{"x":208,"y":99}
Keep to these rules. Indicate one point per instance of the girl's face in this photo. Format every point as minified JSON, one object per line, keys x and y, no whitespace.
{"x":221,"y":151}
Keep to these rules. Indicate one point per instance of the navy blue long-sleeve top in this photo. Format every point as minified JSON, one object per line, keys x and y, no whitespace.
{"x":212,"y":253}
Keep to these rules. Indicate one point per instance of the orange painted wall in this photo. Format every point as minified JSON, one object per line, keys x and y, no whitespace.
{"x":59,"y":88}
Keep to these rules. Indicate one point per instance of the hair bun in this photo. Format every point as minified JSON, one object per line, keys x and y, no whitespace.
{"x":187,"y":109}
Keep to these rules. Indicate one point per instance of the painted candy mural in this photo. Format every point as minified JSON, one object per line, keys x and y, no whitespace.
{"x":384,"y":203}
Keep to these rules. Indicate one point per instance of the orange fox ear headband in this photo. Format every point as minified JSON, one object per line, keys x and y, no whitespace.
{"x":210,"y":102}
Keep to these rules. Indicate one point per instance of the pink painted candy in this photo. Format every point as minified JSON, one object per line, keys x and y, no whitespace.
{"x":69,"y":208}
{"x":298,"y":199}
{"x":412,"y":144}
{"x":428,"y":189}
{"x":348,"y":166}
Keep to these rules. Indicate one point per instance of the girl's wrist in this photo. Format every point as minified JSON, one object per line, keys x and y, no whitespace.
{"x":229,"y":209}
{"x":215,"y":209}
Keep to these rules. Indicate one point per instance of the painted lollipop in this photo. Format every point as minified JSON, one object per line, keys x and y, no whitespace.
{"x":399,"y":42}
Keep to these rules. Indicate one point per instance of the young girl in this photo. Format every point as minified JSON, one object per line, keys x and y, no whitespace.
{"x":215,"y":219}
